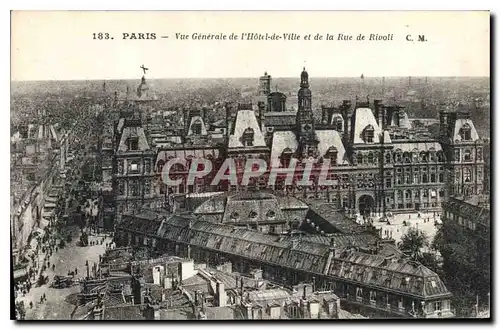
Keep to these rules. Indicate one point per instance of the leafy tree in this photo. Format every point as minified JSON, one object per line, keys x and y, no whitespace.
{"x":413,"y":242}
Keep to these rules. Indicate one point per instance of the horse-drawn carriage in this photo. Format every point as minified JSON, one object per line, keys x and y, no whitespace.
{"x":62,"y":281}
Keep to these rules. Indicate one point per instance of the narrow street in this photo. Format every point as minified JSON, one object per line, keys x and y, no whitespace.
{"x":60,"y":303}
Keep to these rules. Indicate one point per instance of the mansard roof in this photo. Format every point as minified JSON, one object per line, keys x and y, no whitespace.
{"x":392,"y":274}
{"x":245,"y":119}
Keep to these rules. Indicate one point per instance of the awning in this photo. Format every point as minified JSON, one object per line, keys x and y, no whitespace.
{"x":20,"y":273}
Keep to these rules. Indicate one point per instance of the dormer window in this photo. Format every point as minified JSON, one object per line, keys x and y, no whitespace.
{"x":338,"y":123}
{"x":332,"y":153}
{"x":248,"y":137}
{"x":465,"y":133}
{"x":286,"y":156}
{"x":271,"y":214}
{"x":253,"y":215}
{"x":133,"y":144}
{"x":235,"y":216}
{"x":196,"y":127}
{"x":368,"y":134}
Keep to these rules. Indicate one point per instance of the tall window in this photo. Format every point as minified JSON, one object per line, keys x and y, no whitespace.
{"x":457,"y":155}
{"x":441,"y":177}
{"x":465,"y":133}
{"x":433,"y":177}
{"x":423,"y":156}
{"x":416,"y":178}
{"x":134,"y":188}
{"x":408,"y":194}
{"x":425,"y":178}
{"x":359,"y":158}
{"x":398,"y":157}
{"x":406,"y":157}
{"x":467,"y":175}
{"x":388,"y":158}
{"x":338,"y":123}
{"x":440,"y":156}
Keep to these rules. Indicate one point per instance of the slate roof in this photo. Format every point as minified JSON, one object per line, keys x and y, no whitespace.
{"x":326,"y":214}
{"x":328,"y":139}
{"x":347,"y":264}
{"x":144,"y":222}
{"x":280,"y":119}
{"x":362,"y":118}
{"x":126,"y":312}
{"x":245,"y":119}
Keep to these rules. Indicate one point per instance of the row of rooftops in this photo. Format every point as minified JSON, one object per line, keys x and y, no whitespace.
{"x":348,"y":264}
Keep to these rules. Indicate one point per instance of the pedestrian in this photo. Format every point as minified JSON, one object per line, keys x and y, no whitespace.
{"x":31,"y":305}
{"x":44,"y":297}
{"x":76,"y":271}
{"x":53,"y":267}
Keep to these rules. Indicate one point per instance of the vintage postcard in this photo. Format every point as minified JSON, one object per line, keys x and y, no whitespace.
{"x":250,"y":165}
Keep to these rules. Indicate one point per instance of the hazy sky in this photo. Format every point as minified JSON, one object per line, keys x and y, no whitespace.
{"x":60,"y":45}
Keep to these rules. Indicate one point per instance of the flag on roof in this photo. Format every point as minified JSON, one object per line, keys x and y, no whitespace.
{"x":362,"y":76}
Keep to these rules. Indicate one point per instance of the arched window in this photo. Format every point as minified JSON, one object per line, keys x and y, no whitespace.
{"x":432,"y":155}
{"x":407,"y":178}
{"x":425,"y":179}
{"x":271,"y":214}
{"x":467,"y":155}
{"x":248,"y":137}
{"x":196,"y":127}
{"x":440,"y":156}
{"x":369,"y":134}
{"x":286,"y":156}
{"x":400,"y":195}
{"x":465,"y":132}
{"x":159,"y":165}
{"x":414,"y":156}
{"x":441,"y":177}
{"x":398,"y":156}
